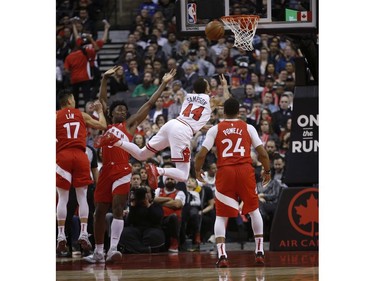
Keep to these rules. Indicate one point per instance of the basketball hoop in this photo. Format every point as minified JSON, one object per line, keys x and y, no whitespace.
{"x":243,"y":27}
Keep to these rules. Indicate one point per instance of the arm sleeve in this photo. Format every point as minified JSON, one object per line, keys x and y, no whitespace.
{"x":255,"y":140}
{"x":210,"y":138}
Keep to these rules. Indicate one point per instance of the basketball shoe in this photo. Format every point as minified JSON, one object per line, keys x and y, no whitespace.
{"x":173,"y":247}
{"x":222,"y":262}
{"x":106,"y":139}
{"x":152,"y":175}
{"x":113,"y":255}
{"x":259,"y":258}
{"x":84,"y":242}
{"x":61,"y":245}
{"x":96,"y":257}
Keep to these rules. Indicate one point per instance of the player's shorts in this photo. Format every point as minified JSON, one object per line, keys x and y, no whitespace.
{"x":72,"y":169}
{"x":177,"y":136}
{"x":233,"y":182}
{"x":113,"y":179}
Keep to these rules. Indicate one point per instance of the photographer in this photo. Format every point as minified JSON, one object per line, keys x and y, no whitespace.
{"x":142,"y":232}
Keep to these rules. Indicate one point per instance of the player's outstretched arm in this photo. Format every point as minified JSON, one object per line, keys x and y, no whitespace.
{"x":142,"y":113}
{"x":224,"y":83}
{"x":100,"y":124}
{"x":103,"y":94}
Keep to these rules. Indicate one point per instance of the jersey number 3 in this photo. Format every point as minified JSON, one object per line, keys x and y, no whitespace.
{"x":69,"y":127}
{"x":228,"y":151}
{"x":197,"y":113}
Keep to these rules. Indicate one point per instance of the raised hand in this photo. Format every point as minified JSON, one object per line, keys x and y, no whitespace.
{"x":223,"y":81}
{"x":98,"y":106}
{"x":111,"y":71}
{"x":168,"y":76}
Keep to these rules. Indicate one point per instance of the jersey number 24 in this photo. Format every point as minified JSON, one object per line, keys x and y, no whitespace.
{"x":229,"y":150}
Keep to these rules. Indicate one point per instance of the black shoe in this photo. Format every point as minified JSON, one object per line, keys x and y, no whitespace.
{"x":222,"y":262}
{"x":259,"y":258}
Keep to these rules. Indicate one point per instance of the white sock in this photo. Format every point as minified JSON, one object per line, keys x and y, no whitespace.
{"x":257,"y":226}
{"x":259,"y":244}
{"x":221,"y":249}
{"x":61,"y":230}
{"x":84,"y":227}
{"x":99,"y":248}
{"x":117,"y":227}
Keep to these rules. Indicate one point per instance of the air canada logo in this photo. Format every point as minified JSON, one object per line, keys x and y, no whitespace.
{"x":303,"y":212}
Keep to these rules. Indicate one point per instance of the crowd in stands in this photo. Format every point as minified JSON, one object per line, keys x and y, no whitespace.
{"x":262,"y":80}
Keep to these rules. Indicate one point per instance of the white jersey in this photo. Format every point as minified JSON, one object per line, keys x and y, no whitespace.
{"x":195,"y":111}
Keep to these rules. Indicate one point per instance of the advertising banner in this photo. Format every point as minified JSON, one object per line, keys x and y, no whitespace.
{"x":295,"y":226}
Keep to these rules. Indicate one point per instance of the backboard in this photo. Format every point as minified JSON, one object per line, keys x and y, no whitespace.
{"x":290,"y":17}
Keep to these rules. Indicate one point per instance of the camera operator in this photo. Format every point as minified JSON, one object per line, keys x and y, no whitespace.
{"x":142,"y":232}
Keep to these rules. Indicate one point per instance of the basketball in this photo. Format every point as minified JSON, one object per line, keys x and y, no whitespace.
{"x":214,"y":30}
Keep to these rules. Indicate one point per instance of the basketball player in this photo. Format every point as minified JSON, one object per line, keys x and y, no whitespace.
{"x":72,"y":163}
{"x":235,"y":177}
{"x":114,"y":178}
{"x":176,"y":133}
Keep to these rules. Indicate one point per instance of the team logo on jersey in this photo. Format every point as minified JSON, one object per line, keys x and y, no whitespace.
{"x":192,"y":13}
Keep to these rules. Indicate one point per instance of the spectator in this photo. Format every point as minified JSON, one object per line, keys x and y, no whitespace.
{"x":191,"y":216}
{"x":168,"y":99}
{"x":280,"y":117}
{"x":255,"y":82}
{"x":149,"y":6}
{"x":219,"y":46}
{"x":159,"y":70}
{"x":133,"y":74}
{"x":288,"y":56}
{"x":266,"y":133}
{"x":261,"y":63}
{"x":268,"y":102}
{"x":242,"y":75}
{"x":175,"y":108}
{"x":268,"y":200}
{"x":142,"y":232}
{"x":180,"y":73}
{"x":191,"y":78}
{"x":200,"y":66}
{"x":167,"y":8}
{"x":158,"y":110}
{"x":117,"y":82}
{"x":172,"y":201}
{"x":76,"y":66}
{"x":272,"y":150}
{"x":147,"y":88}
{"x":278,"y":171}
{"x":87,"y":23}
{"x":289,"y":84}
{"x":249,"y":96}
{"x":207,"y":212}
{"x":171,"y":46}
{"x":270,"y":71}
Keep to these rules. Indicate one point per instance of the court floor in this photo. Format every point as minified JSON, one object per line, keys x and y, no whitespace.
{"x":290,"y":265}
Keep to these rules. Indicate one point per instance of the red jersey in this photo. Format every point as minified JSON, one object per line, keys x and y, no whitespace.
{"x":113,"y":153}
{"x":233,"y":143}
{"x":77,"y":63}
{"x":70,"y":129}
{"x":169,"y":211}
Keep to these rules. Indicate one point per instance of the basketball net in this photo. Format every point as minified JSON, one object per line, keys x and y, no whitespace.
{"x":243,"y":27}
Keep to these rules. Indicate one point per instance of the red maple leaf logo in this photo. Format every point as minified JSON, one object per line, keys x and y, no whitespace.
{"x":308,"y":213}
